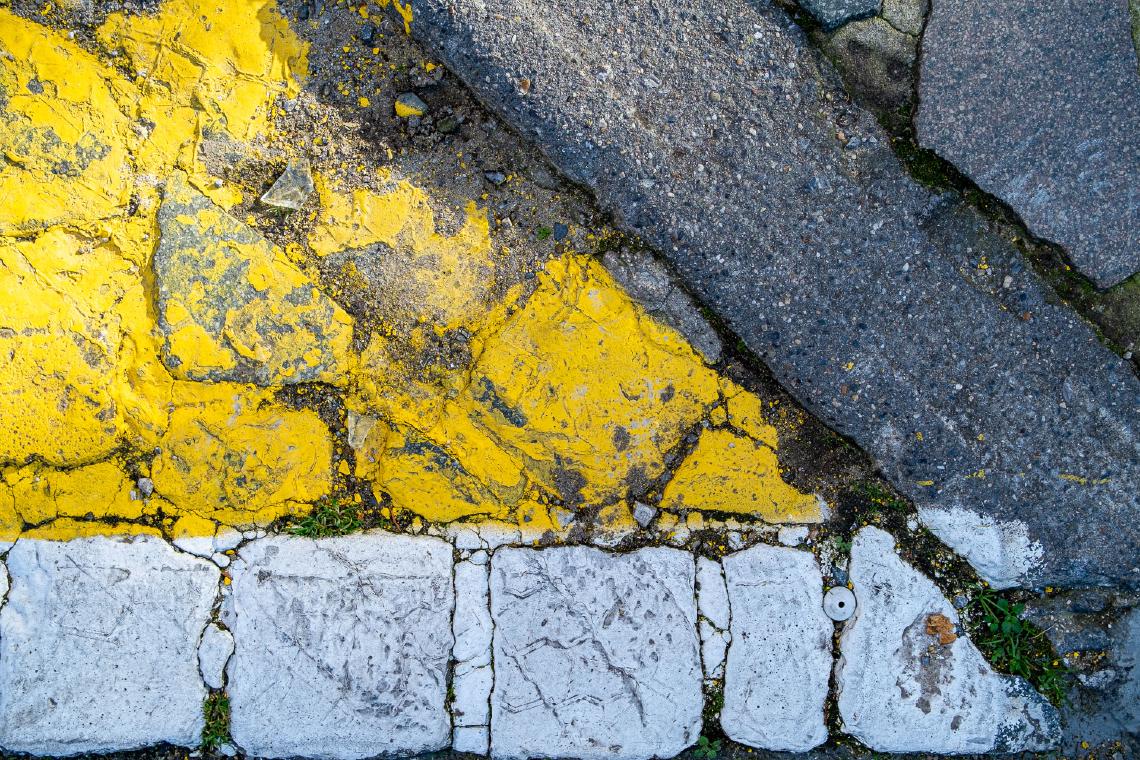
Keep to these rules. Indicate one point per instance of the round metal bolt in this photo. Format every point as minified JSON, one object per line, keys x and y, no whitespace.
{"x":839,"y":603}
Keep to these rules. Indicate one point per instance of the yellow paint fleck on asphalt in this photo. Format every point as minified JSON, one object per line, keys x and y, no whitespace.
{"x":148,"y":332}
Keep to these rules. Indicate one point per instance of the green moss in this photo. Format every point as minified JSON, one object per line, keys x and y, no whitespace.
{"x":922,"y":164}
{"x":877,"y":497}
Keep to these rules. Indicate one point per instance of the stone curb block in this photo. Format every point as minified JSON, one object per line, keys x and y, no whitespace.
{"x":345,"y":648}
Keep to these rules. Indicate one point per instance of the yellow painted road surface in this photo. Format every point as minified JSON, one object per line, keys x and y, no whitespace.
{"x":157,"y":351}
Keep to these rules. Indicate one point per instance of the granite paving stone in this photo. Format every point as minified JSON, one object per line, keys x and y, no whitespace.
{"x":99,"y":645}
{"x":341,"y":646}
{"x":779,"y":661}
{"x":596,"y":654}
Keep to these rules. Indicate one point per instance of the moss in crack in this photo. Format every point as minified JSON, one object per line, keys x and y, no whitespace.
{"x":714,"y":703}
{"x":216,"y":711}
{"x":878,"y":496}
{"x":1114,"y":314}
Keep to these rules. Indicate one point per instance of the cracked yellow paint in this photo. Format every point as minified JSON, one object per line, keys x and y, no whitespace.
{"x":145,"y":330}
{"x":61,"y":153}
{"x":206,"y":65}
{"x":733,"y":473}
{"x":233,"y":307}
{"x":73,"y":333}
{"x":745,"y":412}
{"x":232,"y":455}
{"x":426,"y":478}
{"x":38,"y":495}
{"x":586,"y":387}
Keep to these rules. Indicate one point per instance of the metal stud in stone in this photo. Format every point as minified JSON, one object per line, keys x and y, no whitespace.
{"x":839,"y":603}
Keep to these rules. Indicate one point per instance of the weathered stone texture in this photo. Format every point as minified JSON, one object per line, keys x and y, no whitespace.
{"x":779,"y":661}
{"x":342,"y":646}
{"x":213,"y":653}
{"x":906,"y":687}
{"x":833,"y":13}
{"x":877,"y":60}
{"x":98,"y":645}
{"x":472,"y":625}
{"x":596,"y":654}
{"x":1039,"y":103}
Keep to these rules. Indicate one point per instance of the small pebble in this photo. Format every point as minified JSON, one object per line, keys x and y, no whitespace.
{"x":408,"y":104}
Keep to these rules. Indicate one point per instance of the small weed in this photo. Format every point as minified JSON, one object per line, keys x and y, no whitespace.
{"x":1015,"y":646}
{"x":543,"y":233}
{"x":705,"y":749}
{"x":714,"y":703}
{"x":842,"y":544}
{"x":329,"y":518}
{"x":879,"y":498}
{"x":216,"y":710}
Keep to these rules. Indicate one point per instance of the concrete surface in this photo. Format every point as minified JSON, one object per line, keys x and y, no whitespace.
{"x":1040,"y":105}
{"x":596,"y":655}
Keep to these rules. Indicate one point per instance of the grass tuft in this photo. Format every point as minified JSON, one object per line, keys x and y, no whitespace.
{"x":329,"y":518}
{"x":216,"y":732}
{"x":1013,"y":645}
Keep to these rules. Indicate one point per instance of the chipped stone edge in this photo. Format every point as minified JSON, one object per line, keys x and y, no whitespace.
{"x":1002,"y":552}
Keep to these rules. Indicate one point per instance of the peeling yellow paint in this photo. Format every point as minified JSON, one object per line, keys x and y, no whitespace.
{"x":73,"y":332}
{"x":38,"y":495}
{"x":233,"y":456}
{"x":234,"y":307}
{"x":66,"y":529}
{"x":442,"y":279}
{"x":209,"y":64}
{"x":746,"y":413}
{"x":146,"y":329}
{"x":731,"y":473}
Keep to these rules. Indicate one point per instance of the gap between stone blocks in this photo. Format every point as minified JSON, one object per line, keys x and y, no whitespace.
{"x":564,"y":645}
